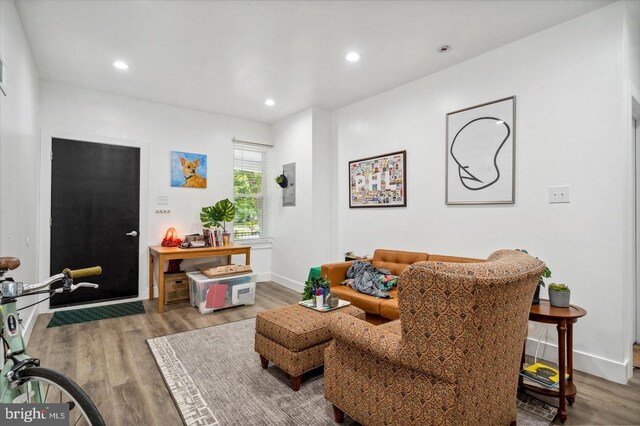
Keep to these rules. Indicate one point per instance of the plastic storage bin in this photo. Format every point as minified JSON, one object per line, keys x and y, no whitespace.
{"x":211,"y":294}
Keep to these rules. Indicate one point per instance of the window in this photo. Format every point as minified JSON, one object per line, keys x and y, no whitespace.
{"x":251,"y":175}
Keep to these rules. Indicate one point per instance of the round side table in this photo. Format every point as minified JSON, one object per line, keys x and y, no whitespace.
{"x":563,"y":318}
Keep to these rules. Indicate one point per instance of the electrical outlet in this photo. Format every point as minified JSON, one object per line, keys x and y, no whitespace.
{"x":163,"y":200}
{"x":559,"y":194}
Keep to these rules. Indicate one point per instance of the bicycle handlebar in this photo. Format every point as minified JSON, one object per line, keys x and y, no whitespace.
{"x":85,"y":272}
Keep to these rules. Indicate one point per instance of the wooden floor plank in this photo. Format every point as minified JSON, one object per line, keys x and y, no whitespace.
{"x":111,"y":361}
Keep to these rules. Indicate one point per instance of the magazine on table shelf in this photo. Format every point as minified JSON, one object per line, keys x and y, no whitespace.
{"x":542,"y":374}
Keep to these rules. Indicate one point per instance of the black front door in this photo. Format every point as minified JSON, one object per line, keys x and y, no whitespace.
{"x":95,"y":217}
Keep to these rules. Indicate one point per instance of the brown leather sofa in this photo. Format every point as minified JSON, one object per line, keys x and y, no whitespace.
{"x":454,"y":356}
{"x":381,"y":310}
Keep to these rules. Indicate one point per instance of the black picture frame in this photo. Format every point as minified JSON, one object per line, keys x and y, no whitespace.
{"x":354,"y":165}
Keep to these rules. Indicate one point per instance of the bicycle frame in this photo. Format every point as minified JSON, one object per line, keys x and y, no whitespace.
{"x":16,"y":352}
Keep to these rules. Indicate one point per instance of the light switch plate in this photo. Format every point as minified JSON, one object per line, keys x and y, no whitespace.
{"x":163,"y":200}
{"x":559,"y":194}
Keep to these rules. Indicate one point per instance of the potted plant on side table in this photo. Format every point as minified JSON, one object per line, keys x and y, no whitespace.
{"x":310,"y":286}
{"x":218,"y":215}
{"x":559,"y":295}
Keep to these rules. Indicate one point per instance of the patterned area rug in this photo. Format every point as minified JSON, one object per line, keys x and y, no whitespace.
{"x":215,"y":378}
{"x":76,"y":316}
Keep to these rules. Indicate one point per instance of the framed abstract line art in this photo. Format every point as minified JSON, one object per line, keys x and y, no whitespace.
{"x":480,"y":162}
{"x":379,"y":181}
{"x":188,"y":170}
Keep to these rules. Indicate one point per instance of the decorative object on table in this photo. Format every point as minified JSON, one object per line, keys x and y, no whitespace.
{"x":289,"y":192}
{"x":545,"y":274}
{"x":188,"y":170}
{"x":349,"y":256}
{"x":227,"y":270}
{"x":333,"y":300}
{"x":311,"y":286}
{"x":312,"y":304}
{"x":480,"y":162}
{"x":319,"y":298}
{"x":559,"y":295}
{"x":194,"y":241}
{"x":379,"y":181}
{"x":171,"y":238}
{"x":217,"y":216}
{"x":282,"y":181}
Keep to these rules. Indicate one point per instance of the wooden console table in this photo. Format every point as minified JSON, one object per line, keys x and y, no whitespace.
{"x":170,"y":253}
{"x":563,"y":318}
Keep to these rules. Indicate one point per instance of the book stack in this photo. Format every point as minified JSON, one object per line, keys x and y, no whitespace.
{"x":215,"y":238}
{"x":541,"y":374}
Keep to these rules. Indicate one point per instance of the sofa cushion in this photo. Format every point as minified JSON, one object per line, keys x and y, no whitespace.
{"x":369,"y":304}
{"x":453,"y":259}
{"x":396,"y":261}
{"x":389,"y":307}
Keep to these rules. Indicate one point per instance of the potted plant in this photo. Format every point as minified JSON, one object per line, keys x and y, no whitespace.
{"x":545,"y":274}
{"x":218,"y":215}
{"x":559,"y":295}
{"x":282,"y":181}
{"x":310,"y":286}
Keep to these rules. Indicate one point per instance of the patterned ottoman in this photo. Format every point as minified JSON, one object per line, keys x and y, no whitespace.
{"x":294,"y":338}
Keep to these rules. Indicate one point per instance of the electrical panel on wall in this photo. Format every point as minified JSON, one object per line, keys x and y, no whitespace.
{"x":289,"y":193}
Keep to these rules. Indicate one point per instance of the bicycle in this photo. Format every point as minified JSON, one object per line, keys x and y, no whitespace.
{"x":22,"y":379}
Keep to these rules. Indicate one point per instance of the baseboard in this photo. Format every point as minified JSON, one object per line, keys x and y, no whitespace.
{"x":608,"y":369}
{"x":286,"y":282}
{"x":265,"y":276}
{"x":28,"y":324}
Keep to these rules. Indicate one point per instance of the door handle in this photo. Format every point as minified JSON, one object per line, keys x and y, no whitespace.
{"x":132,"y":234}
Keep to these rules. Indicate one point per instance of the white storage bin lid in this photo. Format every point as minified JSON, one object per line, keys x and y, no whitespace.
{"x":201,"y":278}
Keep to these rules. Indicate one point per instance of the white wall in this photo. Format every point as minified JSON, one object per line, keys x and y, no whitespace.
{"x":302,"y":234}
{"x":94,"y":115}
{"x":570,"y":130}
{"x":19,"y":170}
{"x":292,"y":240}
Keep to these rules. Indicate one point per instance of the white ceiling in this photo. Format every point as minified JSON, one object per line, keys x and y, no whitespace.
{"x":227,"y":57}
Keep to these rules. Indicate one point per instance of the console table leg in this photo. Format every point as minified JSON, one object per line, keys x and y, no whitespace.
{"x":150,"y":276}
{"x":562,"y":351}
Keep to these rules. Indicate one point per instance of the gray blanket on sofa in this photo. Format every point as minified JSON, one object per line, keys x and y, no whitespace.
{"x":362,"y":277}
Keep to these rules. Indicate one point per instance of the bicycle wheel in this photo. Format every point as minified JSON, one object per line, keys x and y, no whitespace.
{"x":58,"y":389}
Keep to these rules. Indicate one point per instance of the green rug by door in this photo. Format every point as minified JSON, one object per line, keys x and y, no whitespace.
{"x":77,"y":316}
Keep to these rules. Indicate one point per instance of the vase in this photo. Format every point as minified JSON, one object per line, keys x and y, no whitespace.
{"x":536,"y":296}
{"x":559,"y":299}
{"x":225,"y":238}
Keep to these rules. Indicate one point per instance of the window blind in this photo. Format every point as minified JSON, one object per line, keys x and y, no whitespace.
{"x":251,"y":179}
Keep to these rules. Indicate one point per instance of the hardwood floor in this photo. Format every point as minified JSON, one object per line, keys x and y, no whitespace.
{"x":111,"y":361}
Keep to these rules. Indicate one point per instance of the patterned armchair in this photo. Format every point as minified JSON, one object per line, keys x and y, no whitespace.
{"x":454,"y":356}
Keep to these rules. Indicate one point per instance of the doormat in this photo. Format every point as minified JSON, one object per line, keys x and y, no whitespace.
{"x":77,"y":316}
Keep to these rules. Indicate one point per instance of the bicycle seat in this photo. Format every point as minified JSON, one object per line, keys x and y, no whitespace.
{"x":9,"y":263}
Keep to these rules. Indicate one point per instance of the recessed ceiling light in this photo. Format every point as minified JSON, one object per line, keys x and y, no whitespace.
{"x":121,"y":65}
{"x":444,"y":48}
{"x":352,"y":57}
{"x":269,"y":102}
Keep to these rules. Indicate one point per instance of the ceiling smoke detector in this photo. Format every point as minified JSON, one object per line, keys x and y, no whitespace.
{"x":444,"y":48}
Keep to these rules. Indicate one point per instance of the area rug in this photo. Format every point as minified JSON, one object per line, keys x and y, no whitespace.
{"x":215,"y":378}
{"x":76,"y":316}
